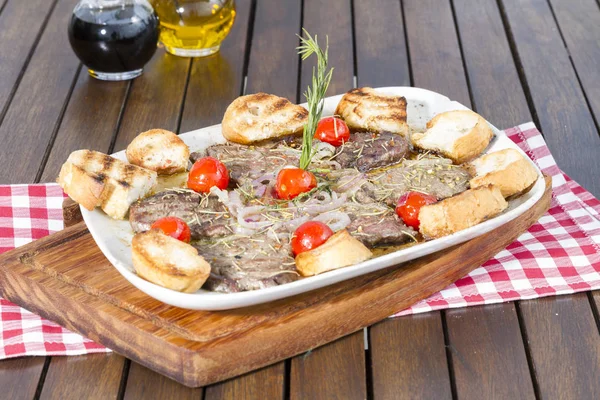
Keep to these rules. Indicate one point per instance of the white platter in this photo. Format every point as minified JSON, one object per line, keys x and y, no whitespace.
{"x":114,"y":237}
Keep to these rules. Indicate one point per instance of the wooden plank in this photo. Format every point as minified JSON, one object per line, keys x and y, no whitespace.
{"x":435,"y":58}
{"x":381,"y":55}
{"x":334,"y":20}
{"x":595,"y":303}
{"x":84,"y":293}
{"x":143,"y":383}
{"x":564,"y":345}
{"x":37,"y":106}
{"x":19,"y":377}
{"x":272,"y":68}
{"x":89,"y":122}
{"x":437,"y":64}
{"x":495,"y":86}
{"x":409,"y":358}
{"x":93,"y":376}
{"x":266,"y":383}
{"x":563,"y":114}
{"x":578,"y":21}
{"x":488,"y":355}
{"x":273,"y":64}
{"x":20,"y":24}
{"x":336,"y":370}
{"x":216,"y":81}
{"x":155,"y":98}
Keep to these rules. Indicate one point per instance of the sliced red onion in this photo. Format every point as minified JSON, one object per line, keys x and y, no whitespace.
{"x":245,"y":212}
{"x":336,"y":220}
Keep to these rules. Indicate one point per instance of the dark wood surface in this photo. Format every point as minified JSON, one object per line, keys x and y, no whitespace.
{"x":523,"y":60}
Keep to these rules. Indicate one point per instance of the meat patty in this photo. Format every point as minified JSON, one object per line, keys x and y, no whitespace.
{"x":240,"y":263}
{"x":367,"y":150}
{"x":433,"y":175}
{"x":376,"y":225}
{"x":205,"y":215}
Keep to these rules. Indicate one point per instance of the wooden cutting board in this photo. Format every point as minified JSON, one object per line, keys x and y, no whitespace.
{"x":65,"y":278}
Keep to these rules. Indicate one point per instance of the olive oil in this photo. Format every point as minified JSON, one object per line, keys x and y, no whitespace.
{"x":194,"y":28}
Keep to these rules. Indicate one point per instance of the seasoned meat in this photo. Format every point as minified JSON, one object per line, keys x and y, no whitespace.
{"x":205,"y":215}
{"x":354,"y":183}
{"x":251,"y":162}
{"x":367,"y":150}
{"x":377,"y":225}
{"x":433,"y":175}
{"x":240,"y":263}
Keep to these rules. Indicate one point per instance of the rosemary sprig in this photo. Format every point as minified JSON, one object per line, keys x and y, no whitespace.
{"x":315,"y":93}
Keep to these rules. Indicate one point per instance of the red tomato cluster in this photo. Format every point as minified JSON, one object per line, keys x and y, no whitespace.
{"x":309,"y":235}
{"x":409,"y":205}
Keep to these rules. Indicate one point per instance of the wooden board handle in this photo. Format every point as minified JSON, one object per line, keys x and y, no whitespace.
{"x":71,"y":212}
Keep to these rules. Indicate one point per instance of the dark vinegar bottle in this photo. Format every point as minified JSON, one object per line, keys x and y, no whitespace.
{"x":114,"y":39}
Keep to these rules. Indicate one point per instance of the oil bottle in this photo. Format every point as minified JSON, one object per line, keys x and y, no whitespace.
{"x":114,"y":39}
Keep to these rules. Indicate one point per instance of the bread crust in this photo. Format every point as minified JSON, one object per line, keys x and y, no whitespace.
{"x":511,"y":178}
{"x":159,"y":150}
{"x":340,"y":250}
{"x":366,"y":109}
{"x":460,"y":212}
{"x":83,"y":188}
{"x":155,"y":254}
{"x":464,"y":148}
{"x":96,"y":179}
{"x":261,"y":116}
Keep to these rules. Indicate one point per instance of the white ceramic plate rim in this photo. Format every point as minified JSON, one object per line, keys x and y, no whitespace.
{"x":113,"y":239}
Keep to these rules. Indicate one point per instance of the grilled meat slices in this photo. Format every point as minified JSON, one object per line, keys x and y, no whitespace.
{"x":246,"y":163}
{"x":368,"y":150}
{"x":205,"y":215}
{"x":240,"y":263}
{"x":429,"y":174}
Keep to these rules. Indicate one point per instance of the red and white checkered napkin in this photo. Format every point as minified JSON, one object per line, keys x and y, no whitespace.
{"x":559,"y":254}
{"x":29,"y":212}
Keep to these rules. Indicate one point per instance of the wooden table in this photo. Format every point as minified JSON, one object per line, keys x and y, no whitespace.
{"x":512,"y":61}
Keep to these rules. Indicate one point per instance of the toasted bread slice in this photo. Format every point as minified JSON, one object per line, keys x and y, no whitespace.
{"x":365,"y":108}
{"x":460,"y":135}
{"x":340,"y":250}
{"x":159,"y":150}
{"x":168,"y":262}
{"x":507,"y":169}
{"x":95,"y":179}
{"x":84,"y":188}
{"x":262,"y":116}
{"x":461,"y":211}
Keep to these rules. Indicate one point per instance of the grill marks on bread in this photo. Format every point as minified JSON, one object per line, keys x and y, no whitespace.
{"x":95,"y":179}
{"x":261,"y":116}
{"x":366,"y":109}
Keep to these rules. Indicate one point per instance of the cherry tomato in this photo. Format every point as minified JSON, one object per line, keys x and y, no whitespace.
{"x":174,"y":227}
{"x":293,"y":181}
{"x":309,"y":235}
{"x":409,"y":205}
{"x":206,"y":173}
{"x":332,"y":130}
